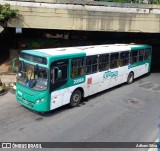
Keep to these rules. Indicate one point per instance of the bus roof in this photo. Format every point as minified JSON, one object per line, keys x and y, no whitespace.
{"x":89,"y":50}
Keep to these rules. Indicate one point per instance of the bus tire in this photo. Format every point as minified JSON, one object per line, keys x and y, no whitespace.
{"x":75,"y":98}
{"x":130,"y":78}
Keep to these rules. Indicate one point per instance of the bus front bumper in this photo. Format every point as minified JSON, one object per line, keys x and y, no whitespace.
{"x":39,"y":106}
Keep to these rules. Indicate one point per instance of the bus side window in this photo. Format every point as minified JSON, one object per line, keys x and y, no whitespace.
{"x":124,"y":58}
{"x":147,"y":53}
{"x":91,"y":64}
{"x":77,"y":67}
{"x":104,"y":62}
{"x":133,"y":57}
{"x":114,"y":60}
{"x":141,"y":55}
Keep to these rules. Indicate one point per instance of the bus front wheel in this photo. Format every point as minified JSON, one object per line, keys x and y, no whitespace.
{"x":130,"y":78}
{"x":75,"y":98}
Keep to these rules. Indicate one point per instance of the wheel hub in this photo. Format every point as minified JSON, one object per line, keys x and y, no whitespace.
{"x":76,"y":98}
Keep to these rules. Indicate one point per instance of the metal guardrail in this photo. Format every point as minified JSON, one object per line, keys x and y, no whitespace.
{"x":78,"y":7}
{"x":94,"y":3}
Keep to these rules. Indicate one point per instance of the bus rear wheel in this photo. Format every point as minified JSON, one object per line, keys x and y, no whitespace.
{"x":130,"y":78}
{"x":75,"y":98}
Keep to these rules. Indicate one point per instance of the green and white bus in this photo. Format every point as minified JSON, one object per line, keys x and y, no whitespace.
{"x":50,"y":78}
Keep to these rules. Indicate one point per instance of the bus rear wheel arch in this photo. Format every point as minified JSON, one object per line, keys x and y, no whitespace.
{"x":76,"y":97}
{"x":130,"y":78}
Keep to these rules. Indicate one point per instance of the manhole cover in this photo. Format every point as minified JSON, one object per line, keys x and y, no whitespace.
{"x":156,"y":88}
{"x":133,"y":101}
{"x":147,"y":85}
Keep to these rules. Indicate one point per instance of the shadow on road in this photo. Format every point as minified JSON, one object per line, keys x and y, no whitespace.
{"x":84,"y":100}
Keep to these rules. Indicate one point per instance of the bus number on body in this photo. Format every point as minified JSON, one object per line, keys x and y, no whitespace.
{"x":76,"y":81}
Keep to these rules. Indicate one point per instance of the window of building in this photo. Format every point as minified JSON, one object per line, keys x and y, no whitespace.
{"x":133,"y":57}
{"x":124,"y":58}
{"x":103,"y":62}
{"x":147,"y":53}
{"x":114,"y":60}
{"x":77,"y":67}
{"x":91,"y":64}
{"x":141,"y":55}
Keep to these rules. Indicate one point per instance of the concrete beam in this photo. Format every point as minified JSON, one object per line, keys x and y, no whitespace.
{"x":85,"y":17}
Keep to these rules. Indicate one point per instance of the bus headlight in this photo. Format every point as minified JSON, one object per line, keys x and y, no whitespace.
{"x":40,"y":100}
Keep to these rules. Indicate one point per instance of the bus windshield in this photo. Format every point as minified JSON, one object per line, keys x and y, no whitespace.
{"x":33,"y":76}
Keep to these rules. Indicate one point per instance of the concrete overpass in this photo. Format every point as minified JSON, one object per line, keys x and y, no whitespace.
{"x":86,"y":16}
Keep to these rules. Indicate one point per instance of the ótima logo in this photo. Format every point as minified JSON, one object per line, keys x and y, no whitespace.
{"x":110,"y":74}
{"x":6,"y":145}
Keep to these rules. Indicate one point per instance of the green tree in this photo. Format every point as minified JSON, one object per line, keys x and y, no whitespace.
{"x":6,"y":12}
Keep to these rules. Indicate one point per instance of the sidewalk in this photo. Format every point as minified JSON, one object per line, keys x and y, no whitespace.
{"x":8,"y":77}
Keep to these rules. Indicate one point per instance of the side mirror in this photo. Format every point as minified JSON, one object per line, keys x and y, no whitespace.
{"x":59,"y":74}
{"x":15,"y":65}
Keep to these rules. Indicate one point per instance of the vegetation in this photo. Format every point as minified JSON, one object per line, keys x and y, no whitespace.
{"x":6,"y":12}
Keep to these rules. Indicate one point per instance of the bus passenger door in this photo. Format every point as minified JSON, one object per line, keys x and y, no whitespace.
{"x":59,"y":82}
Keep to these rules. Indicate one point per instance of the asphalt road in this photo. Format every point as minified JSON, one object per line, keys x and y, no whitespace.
{"x":127,"y":113}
